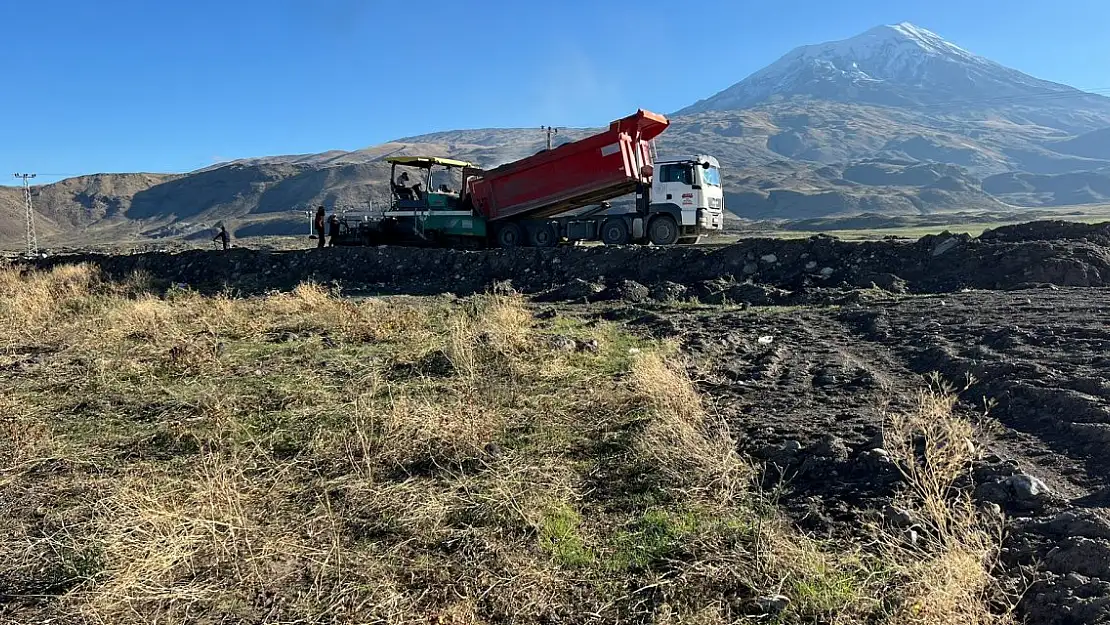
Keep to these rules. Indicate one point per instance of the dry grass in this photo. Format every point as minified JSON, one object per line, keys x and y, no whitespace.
{"x":301,"y":457}
{"x":688,"y":445}
{"x":946,"y":576}
{"x":37,"y":302}
{"x":934,"y":448}
{"x":24,"y":438}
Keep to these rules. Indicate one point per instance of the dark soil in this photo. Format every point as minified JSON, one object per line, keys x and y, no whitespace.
{"x":934,"y":264}
{"x":805,"y":387}
{"x":1057,"y":230}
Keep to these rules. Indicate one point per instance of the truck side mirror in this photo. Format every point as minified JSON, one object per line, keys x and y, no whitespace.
{"x":706,"y":165}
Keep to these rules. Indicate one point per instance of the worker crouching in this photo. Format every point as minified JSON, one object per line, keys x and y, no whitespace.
{"x":333,"y":230}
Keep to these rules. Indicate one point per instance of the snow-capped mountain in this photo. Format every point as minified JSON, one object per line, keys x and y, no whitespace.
{"x":899,"y":65}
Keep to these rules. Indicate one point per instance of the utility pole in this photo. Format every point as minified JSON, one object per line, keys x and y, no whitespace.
{"x":29,"y":219}
{"x":550,"y":131}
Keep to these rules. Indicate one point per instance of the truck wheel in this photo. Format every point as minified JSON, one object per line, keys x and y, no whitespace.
{"x":663,"y":230}
{"x":509,"y":235}
{"x":543,"y":235}
{"x":614,"y":232}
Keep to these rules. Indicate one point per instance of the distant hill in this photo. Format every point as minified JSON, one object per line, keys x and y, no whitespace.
{"x":74,"y":204}
{"x":894,"y":121}
{"x":1083,"y":187}
{"x":787,"y":190}
{"x":1093,"y":145}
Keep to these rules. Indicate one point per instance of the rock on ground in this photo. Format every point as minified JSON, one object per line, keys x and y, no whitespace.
{"x":667,"y":291}
{"x":626,"y":290}
{"x":576,"y":289}
{"x":1085,"y":556}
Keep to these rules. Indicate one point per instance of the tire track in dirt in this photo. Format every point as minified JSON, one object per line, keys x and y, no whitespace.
{"x":1041,"y":356}
{"x":801,"y":394}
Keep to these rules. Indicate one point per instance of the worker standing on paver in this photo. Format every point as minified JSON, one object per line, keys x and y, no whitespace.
{"x":319,"y":225}
{"x":223,"y":237}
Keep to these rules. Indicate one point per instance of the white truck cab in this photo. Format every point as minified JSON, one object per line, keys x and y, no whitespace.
{"x":692,"y":185}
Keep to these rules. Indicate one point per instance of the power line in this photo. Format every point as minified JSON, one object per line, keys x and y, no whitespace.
{"x":29,"y":219}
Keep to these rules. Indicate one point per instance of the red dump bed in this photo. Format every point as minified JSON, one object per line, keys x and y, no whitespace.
{"x":586,"y":172}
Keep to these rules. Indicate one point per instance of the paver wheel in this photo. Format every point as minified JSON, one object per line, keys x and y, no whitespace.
{"x":510,"y":235}
{"x":543,"y":235}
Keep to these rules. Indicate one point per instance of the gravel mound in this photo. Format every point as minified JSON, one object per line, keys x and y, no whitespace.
{"x":934,"y":264}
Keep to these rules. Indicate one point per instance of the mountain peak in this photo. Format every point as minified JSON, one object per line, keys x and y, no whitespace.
{"x":906,"y":32}
{"x":901,"y":65}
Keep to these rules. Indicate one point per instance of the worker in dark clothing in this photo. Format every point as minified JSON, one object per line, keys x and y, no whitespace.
{"x":333,"y":230}
{"x":401,"y":188}
{"x":223,"y":237}
{"x":318,"y":223}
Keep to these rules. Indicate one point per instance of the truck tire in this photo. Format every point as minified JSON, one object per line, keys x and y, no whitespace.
{"x":543,"y":235}
{"x":614,"y":232}
{"x":663,"y":230}
{"x":510,"y":235}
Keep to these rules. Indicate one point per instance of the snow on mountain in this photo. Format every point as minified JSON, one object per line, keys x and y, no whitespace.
{"x":894,"y":65}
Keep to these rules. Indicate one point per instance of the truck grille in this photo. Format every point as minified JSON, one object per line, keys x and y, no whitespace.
{"x":714,"y":202}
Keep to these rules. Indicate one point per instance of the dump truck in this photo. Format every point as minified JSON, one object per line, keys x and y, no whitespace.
{"x":559,"y":195}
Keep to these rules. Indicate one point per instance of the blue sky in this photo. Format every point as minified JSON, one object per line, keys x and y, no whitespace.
{"x":174,"y":85}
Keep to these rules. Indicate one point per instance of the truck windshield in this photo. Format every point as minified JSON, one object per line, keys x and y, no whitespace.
{"x":712,"y":176}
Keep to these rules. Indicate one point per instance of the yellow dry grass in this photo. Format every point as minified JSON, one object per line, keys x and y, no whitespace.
{"x":689,"y":445}
{"x":947,"y":575}
{"x":301,"y":457}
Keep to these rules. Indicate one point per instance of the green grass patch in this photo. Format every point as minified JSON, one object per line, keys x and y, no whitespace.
{"x":560,"y":535}
{"x":656,"y":535}
{"x":661,"y":534}
{"x":822,"y":590}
